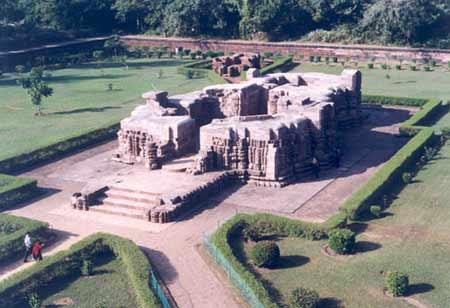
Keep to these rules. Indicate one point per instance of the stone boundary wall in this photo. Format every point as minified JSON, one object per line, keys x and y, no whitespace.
{"x":362,"y":52}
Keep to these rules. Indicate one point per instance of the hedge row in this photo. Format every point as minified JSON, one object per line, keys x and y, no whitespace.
{"x":11,"y":245}
{"x":14,"y":190}
{"x":203,"y":67}
{"x":278,"y":64}
{"x":393,"y":100}
{"x":426,"y":114}
{"x":65,"y":263}
{"x":279,"y":225}
{"x":58,"y":149}
{"x":389,"y":176}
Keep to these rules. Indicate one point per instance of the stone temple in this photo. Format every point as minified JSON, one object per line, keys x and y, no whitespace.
{"x":267,"y":130}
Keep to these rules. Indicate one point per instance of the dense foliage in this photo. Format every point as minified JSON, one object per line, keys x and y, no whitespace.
{"x":342,"y":241}
{"x":414,"y":22}
{"x":265,"y":254}
{"x":397,"y":283}
{"x":303,"y":298}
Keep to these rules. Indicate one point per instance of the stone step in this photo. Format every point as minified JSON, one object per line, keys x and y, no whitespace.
{"x":133,"y":196}
{"x":124,"y":189}
{"x":119,"y":211}
{"x":128,"y":204}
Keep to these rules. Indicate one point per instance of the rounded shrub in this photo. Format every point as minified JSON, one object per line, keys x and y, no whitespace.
{"x":370,"y":65}
{"x":413,"y":67}
{"x":303,"y":298}
{"x":342,"y":241}
{"x":86,"y":268}
{"x":407,"y":177}
{"x":397,"y":283}
{"x":398,"y":67}
{"x":265,"y":253}
{"x":375,"y":210}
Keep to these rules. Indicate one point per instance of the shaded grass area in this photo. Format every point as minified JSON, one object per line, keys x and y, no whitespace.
{"x":82,"y":101}
{"x":108,"y":285}
{"x":403,"y":83}
{"x":413,"y":236}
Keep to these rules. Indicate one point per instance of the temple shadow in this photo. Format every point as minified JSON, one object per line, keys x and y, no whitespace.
{"x":365,"y":246}
{"x":83,"y":110}
{"x":286,"y":262}
{"x":419,"y":288}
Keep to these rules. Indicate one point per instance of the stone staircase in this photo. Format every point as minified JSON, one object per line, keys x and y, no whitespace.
{"x":127,"y":202}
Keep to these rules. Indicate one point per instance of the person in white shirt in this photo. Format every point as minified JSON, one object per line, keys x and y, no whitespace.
{"x":28,"y":245}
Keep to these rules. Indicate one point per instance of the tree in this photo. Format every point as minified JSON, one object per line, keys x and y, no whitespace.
{"x":36,"y":87}
{"x":114,"y":44}
{"x":400,"y":21}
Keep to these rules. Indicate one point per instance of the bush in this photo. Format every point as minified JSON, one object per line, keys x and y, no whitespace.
{"x":251,"y":232}
{"x":335,"y":59}
{"x":384,"y":66}
{"x":311,"y":58}
{"x":375,"y":210}
{"x":427,"y":68}
{"x":370,"y":65}
{"x":265,"y":254}
{"x":398,"y":67}
{"x":86,"y":268}
{"x":303,"y":298}
{"x":318,"y":59}
{"x":433,"y":62}
{"x":407,"y":177}
{"x":34,"y":301}
{"x":397,"y":283}
{"x":342,"y":241}
{"x":430,"y":152}
{"x":413,"y":67}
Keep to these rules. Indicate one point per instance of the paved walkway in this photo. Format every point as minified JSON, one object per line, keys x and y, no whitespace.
{"x":173,"y":248}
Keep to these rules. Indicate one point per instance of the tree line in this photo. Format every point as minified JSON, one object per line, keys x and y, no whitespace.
{"x":405,"y":22}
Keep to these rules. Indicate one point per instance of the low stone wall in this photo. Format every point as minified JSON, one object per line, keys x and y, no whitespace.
{"x":362,"y":52}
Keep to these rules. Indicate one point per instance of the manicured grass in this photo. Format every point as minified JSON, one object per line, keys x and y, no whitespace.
{"x":108,"y":285}
{"x":82,"y":102}
{"x":413,"y":237}
{"x":405,"y":83}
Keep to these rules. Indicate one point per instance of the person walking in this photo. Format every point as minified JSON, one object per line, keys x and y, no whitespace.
{"x":316,"y":167}
{"x":28,"y":245}
{"x":36,"y":251}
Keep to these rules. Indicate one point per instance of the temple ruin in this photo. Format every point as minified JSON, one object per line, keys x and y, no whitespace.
{"x":267,"y":129}
{"x":232,"y":66}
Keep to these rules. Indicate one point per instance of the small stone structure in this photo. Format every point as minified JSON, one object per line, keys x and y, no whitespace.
{"x":267,"y":130}
{"x":232,"y":66}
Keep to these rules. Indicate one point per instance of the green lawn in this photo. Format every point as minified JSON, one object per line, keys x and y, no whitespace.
{"x":414,"y":237}
{"x":81,"y":101}
{"x":404,"y":83}
{"x":108,"y":285}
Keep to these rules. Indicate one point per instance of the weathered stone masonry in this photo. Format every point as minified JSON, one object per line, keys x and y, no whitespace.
{"x":267,"y":129}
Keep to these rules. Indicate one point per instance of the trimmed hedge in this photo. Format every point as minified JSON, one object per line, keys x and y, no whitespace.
{"x":11,"y":245}
{"x":68,"y":262}
{"x":15,"y":190}
{"x":428,"y":112}
{"x":55,"y":150}
{"x":278,"y":63}
{"x":204,"y":67}
{"x":393,"y":100}
{"x":389,"y":175}
{"x":275,"y":224}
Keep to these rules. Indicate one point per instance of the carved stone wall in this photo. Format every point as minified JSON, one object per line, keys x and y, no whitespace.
{"x":268,"y":129}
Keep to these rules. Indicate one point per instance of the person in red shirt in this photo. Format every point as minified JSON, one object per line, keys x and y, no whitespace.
{"x":36,"y":251}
